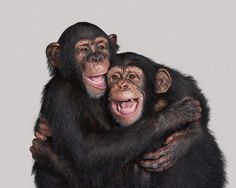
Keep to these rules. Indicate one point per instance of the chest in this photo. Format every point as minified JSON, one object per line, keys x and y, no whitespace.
{"x":95,"y":117}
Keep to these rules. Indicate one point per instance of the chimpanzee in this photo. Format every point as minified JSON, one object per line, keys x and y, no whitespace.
{"x":198,"y":160}
{"x":203,"y":164}
{"x":84,"y":134}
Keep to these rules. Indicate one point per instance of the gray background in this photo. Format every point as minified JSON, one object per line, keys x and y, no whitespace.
{"x":196,"y":37}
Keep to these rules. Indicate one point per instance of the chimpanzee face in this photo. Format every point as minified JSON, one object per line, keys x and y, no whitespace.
{"x":126,"y":93}
{"x":93,"y":57}
{"x":82,"y":53}
{"x":134,"y":86}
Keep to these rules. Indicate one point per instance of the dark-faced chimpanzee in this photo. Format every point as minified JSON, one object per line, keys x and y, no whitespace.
{"x":84,"y":134}
{"x":198,"y":160}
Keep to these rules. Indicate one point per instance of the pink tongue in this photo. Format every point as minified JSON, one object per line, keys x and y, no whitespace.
{"x":97,"y":78}
{"x":126,"y":104}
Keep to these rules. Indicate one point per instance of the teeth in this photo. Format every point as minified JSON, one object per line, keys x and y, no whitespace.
{"x":119,"y":108}
{"x":97,"y":78}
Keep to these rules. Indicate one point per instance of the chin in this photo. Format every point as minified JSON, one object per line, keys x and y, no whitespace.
{"x":95,"y":94}
{"x":127,"y":122}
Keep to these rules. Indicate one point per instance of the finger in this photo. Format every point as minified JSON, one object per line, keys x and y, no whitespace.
{"x":40,"y":136}
{"x":34,"y":141}
{"x":153,"y":163}
{"x":162,"y":160}
{"x":43,"y":120}
{"x":147,"y":164}
{"x":47,"y":132}
{"x":44,"y":130}
{"x":161,"y":168}
{"x":157,"y":154}
{"x":32,"y":149}
{"x":160,"y":165}
{"x":169,"y":140}
{"x":174,"y":136}
{"x":33,"y":153}
{"x":179,"y":133}
{"x":44,"y":126}
{"x":33,"y":156}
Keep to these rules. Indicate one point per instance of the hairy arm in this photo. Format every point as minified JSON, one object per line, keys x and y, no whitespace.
{"x":175,"y":147}
{"x":105,"y":152}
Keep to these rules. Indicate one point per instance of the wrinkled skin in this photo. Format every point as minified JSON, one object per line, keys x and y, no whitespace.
{"x":127,"y":95}
{"x":93,"y":55}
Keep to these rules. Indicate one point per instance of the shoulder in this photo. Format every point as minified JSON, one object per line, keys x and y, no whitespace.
{"x":57,"y":82}
{"x":58,"y":87}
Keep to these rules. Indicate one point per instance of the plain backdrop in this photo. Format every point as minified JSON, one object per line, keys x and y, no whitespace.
{"x":196,"y":37}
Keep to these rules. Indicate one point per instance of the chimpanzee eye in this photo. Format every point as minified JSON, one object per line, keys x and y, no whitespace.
{"x":84,"y":49}
{"x":115,"y":77}
{"x":81,"y":49}
{"x":101,"y":46}
{"x":132,"y":76}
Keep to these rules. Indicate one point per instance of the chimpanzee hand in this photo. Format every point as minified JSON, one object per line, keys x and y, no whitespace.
{"x":163,"y":158}
{"x":174,"y":148}
{"x":42,"y":151}
{"x":177,"y":144}
{"x":42,"y":130}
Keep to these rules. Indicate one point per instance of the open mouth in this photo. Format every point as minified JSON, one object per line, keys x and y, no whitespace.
{"x":125,"y":108}
{"x":96,"y":81}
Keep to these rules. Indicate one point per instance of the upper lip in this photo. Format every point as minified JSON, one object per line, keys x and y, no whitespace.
{"x":89,"y":76}
{"x":122,"y":96}
{"x":124,"y":100}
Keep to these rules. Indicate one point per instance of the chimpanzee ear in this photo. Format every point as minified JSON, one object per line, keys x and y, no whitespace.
{"x":52,"y":52}
{"x":113,"y":38}
{"x":163,"y":81}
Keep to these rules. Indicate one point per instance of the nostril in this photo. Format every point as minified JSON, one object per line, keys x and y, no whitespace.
{"x":125,"y":86}
{"x":96,"y":58}
{"x":100,"y":57}
{"x":93,"y":58}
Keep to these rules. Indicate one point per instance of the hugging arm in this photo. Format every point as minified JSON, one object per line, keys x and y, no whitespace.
{"x":106,"y":152}
{"x":179,"y":142}
{"x":176,"y":146}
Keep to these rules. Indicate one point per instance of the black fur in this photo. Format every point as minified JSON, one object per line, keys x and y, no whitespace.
{"x":83,"y":132}
{"x":203,"y":164}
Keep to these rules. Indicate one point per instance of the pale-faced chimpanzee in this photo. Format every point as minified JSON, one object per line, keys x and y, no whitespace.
{"x":83,"y":133}
{"x":199,"y":163}
{"x":203,"y":165}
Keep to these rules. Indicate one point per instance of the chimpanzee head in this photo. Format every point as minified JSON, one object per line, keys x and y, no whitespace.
{"x":83,"y":54}
{"x":133,"y":86}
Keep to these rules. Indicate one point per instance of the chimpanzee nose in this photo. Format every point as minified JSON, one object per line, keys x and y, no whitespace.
{"x":123,"y":85}
{"x":96,"y":58}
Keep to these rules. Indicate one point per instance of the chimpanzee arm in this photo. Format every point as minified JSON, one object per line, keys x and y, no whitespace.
{"x":176,"y":146}
{"x":102,"y":154}
{"x":44,"y":155}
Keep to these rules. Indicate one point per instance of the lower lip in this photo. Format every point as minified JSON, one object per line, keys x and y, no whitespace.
{"x":115,"y":106}
{"x":101,"y":85}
